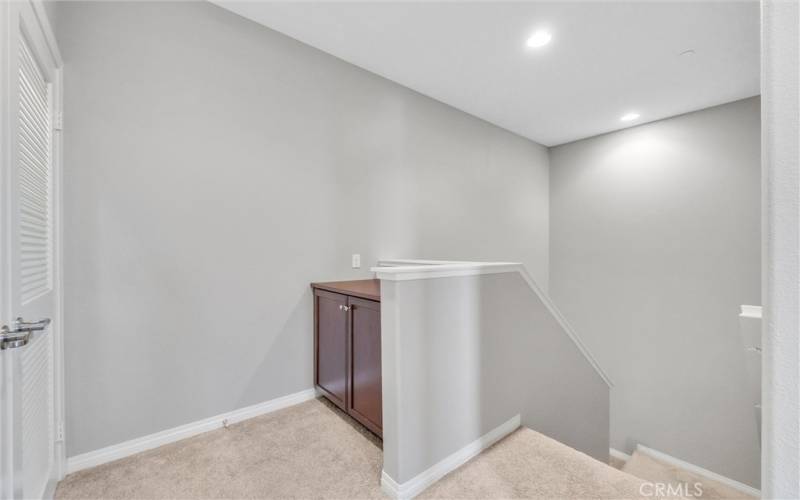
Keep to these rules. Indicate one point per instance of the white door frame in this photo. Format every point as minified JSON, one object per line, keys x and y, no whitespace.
{"x":57,"y":327}
{"x":780,"y":150}
{"x":59,"y":403}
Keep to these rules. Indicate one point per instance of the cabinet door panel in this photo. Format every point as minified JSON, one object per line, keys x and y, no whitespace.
{"x":331,"y":349}
{"x":365,"y":389}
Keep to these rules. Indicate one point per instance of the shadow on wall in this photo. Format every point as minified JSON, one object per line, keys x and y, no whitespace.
{"x":466,"y":354}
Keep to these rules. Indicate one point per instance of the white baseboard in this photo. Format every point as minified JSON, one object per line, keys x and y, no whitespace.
{"x":418,"y":483}
{"x":128,"y":448}
{"x":389,"y":486}
{"x":663,"y":457}
{"x":619,"y":455}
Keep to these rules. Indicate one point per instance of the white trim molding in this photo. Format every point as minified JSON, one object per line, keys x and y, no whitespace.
{"x":414,"y":269}
{"x":750,"y":312}
{"x":418,"y":483}
{"x":47,"y":29}
{"x":696,"y":469}
{"x":144,"y":443}
{"x":619,"y":455}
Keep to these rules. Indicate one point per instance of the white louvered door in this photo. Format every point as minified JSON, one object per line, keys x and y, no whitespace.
{"x":27,"y":375}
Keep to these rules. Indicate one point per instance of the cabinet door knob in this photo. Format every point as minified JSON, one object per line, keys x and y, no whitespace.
{"x":341,"y":307}
{"x":346,"y":308}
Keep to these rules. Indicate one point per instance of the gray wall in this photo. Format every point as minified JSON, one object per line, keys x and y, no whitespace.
{"x":464,"y":355}
{"x":654,"y":245}
{"x":213,"y":168}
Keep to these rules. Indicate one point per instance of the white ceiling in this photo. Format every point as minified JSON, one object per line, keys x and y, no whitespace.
{"x":605,"y":58}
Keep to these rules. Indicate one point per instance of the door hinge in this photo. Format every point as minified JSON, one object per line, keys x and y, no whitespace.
{"x":60,"y":432}
{"x":58,"y":121}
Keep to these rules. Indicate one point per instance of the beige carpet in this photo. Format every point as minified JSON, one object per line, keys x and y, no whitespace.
{"x":648,"y":468}
{"x":313,"y":450}
{"x":616,"y":463}
{"x":527,"y":464}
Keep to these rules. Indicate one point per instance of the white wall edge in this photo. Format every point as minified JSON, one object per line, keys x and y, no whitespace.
{"x":780,"y":238}
{"x":750,"y":312}
{"x":144,"y":443}
{"x":411,"y":269}
{"x":619,"y":455}
{"x":418,"y":483}
{"x":49,"y":489}
{"x":663,"y":457}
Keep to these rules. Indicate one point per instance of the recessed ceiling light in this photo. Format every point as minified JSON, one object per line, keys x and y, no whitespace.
{"x":629,"y":116}
{"x":539,"y":39}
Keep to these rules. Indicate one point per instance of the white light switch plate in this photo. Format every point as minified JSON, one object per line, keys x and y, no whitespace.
{"x":356,"y":261}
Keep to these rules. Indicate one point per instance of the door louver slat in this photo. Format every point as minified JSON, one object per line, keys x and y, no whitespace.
{"x":34,"y":177}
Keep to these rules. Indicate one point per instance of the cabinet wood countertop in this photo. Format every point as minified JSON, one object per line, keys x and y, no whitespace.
{"x":366,"y":289}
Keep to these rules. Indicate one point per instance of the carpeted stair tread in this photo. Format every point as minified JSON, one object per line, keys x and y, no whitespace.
{"x":527,"y":464}
{"x":650,"y":469}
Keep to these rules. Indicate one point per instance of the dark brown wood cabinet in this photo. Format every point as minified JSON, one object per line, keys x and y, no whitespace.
{"x":347,"y":348}
{"x":331,"y":346}
{"x":365,"y":403}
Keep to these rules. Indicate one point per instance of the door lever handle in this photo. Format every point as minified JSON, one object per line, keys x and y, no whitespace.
{"x":20,"y":332}
{"x":21,"y":325}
